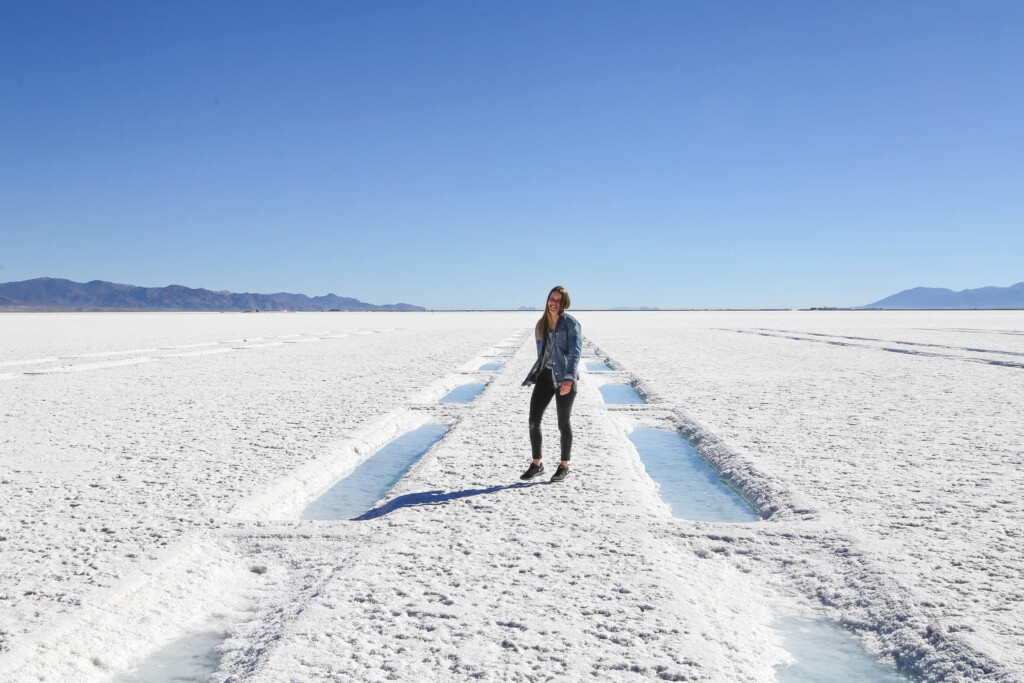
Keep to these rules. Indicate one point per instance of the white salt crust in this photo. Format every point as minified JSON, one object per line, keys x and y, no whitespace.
{"x":147,"y":494}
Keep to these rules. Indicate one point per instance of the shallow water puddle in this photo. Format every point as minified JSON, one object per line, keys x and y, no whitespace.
{"x":463,"y":394}
{"x":620,"y":393}
{"x":356,"y":493}
{"x":825,"y":653}
{"x":598,"y":367}
{"x":191,"y":658}
{"x":490,"y":367}
{"x":689,"y":486}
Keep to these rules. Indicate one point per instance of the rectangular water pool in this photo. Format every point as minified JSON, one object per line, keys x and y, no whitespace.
{"x":490,"y":367}
{"x":463,"y":394}
{"x":356,"y":493}
{"x":598,"y":367}
{"x":190,"y":658}
{"x":825,"y":653}
{"x":690,"y":486}
{"x":620,"y":394}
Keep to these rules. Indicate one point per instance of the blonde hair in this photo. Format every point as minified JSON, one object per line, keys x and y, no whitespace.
{"x":541,"y":330}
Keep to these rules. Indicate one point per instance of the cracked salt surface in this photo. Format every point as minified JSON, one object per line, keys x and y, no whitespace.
{"x":356,"y":493}
{"x":691,"y":487}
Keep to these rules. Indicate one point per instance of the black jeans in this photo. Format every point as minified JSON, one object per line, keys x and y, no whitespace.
{"x":543,"y":390}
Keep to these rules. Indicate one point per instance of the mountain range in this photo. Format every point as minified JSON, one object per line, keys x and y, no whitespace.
{"x":938,"y":298}
{"x":53,"y":294}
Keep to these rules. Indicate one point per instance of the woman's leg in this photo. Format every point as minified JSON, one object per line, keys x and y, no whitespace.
{"x":564,"y":406}
{"x":542,"y":393}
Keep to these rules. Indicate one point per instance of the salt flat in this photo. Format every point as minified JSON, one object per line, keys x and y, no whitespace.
{"x":153,"y":468}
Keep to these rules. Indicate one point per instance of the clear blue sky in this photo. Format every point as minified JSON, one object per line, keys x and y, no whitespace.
{"x":473,"y":154}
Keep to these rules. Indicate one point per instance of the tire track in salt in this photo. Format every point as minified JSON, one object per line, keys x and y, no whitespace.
{"x":31,"y":361}
{"x":84,"y":367}
{"x":201,"y":349}
{"x":903,"y":343}
{"x":969,"y":330}
{"x":909,"y":352}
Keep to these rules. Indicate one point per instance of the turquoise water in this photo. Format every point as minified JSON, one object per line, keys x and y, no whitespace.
{"x":356,"y":493}
{"x":598,"y":367}
{"x":620,"y":393}
{"x":192,"y":658}
{"x":826,"y":653}
{"x":463,"y":394}
{"x":490,"y":367}
{"x":690,"y":486}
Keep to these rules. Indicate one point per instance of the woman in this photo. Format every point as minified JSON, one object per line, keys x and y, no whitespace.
{"x":559,"y":344}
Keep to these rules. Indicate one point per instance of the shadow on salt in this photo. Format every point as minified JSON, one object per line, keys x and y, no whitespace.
{"x":356,"y":493}
{"x":825,"y":653}
{"x":463,"y":394}
{"x":687,"y":483}
{"x":191,"y":658}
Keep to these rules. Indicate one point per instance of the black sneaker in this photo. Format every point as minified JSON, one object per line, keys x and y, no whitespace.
{"x":560,"y":473}
{"x":532,"y":471}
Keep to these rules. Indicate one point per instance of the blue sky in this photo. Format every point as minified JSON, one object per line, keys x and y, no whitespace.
{"x":473,"y":154}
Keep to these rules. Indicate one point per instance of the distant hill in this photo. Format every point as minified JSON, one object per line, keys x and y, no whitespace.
{"x":52,"y":294}
{"x":937,"y":298}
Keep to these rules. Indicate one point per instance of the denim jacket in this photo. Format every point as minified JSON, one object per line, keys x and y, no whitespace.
{"x":565,"y":357}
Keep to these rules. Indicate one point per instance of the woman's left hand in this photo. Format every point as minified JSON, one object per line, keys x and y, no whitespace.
{"x":565,"y":388}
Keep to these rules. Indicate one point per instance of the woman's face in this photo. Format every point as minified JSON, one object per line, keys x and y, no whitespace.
{"x":554,"y":302}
